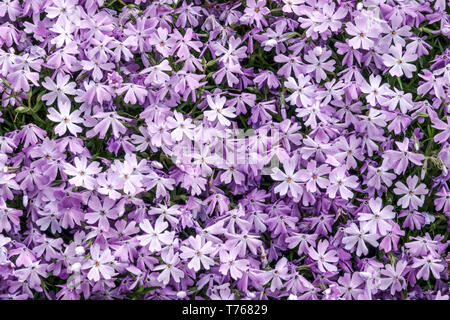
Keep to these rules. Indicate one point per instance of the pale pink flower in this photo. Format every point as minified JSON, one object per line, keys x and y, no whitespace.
{"x":59,"y":90}
{"x":231,"y":265}
{"x":398,"y":61}
{"x":428,"y":263}
{"x":325,"y":259}
{"x":359,"y":236}
{"x":339,"y":181}
{"x":218,"y":111}
{"x":99,"y":264}
{"x":198,"y":251}
{"x":378,"y":220}
{"x":83,"y":174}
{"x":169,"y":269}
{"x":290,"y":181}
{"x":302,"y":92}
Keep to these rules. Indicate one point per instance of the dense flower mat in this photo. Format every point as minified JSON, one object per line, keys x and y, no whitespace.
{"x":224,"y":149}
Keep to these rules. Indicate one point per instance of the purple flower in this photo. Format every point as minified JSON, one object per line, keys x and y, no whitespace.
{"x":276,"y":275}
{"x":154,"y":236}
{"x":340,"y":182}
{"x":198,"y":253}
{"x":66,"y":119}
{"x":400,"y":159}
{"x":390,"y":241}
{"x":224,"y":150}
{"x":377,"y":221}
{"x":9,"y":218}
{"x":394,"y":276}
{"x":362,"y":33}
{"x":290,"y":180}
{"x":231,"y":265}
{"x":350,"y":286}
{"x":82,"y":172}
{"x":376,"y":91}
{"x":318,"y":63}
{"x":426,"y":264}
{"x":101,"y":213}
{"x":99,"y":264}
{"x":255,"y":12}
{"x":218,"y":111}
{"x":59,"y":90}
{"x":169,"y":269}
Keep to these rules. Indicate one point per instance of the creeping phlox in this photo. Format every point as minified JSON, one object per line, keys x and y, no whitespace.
{"x":187,"y":149}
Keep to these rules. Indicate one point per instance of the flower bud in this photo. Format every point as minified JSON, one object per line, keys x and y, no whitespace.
{"x":79,"y":250}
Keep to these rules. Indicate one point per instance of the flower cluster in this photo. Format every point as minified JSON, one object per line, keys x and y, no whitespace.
{"x":122,"y":173}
